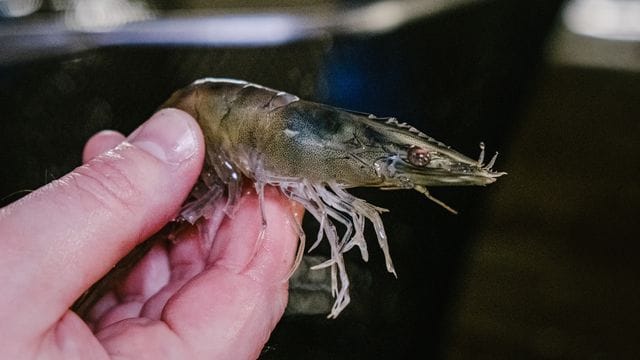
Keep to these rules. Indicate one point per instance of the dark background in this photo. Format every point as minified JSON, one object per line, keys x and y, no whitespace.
{"x":540,"y":265}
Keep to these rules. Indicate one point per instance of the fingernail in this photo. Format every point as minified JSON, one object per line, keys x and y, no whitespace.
{"x":168,"y":135}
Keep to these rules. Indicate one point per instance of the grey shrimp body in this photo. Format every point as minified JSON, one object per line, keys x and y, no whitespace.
{"x":313,"y":152}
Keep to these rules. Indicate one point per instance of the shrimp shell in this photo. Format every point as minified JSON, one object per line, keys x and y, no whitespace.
{"x":313,"y":153}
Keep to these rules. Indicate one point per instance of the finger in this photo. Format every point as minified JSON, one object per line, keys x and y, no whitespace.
{"x":101,"y":142}
{"x":146,"y":279}
{"x":148,"y":282}
{"x":66,"y":235}
{"x":234,"y":306}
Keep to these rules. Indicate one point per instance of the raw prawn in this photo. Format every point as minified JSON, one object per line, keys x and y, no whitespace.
{"x":312,"y":153}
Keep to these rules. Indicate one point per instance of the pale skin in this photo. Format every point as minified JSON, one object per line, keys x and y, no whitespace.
{"x":201,"y":298}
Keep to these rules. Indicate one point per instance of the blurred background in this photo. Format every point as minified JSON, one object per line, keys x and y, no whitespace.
{"x":541,"y":265}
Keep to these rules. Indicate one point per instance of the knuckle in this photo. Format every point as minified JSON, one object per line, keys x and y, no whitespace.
{"x":109,"y":184}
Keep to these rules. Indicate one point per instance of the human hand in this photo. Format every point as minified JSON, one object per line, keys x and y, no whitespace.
{"x":213,"y":296}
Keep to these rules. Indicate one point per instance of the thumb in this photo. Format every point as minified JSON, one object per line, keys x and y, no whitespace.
{"x":63,"y":237}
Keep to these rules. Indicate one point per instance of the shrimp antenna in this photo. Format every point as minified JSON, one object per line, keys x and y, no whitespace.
{"x":426,"y":193}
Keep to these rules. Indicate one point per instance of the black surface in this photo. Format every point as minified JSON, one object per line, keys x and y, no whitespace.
{"x":553,"y":273}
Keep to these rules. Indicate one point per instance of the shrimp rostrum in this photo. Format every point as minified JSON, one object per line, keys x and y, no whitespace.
{"x":313,"y":153}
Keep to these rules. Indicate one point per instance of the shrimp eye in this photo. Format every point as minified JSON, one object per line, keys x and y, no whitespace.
{"x":418,"y":156}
